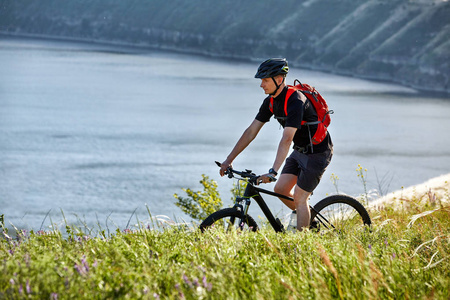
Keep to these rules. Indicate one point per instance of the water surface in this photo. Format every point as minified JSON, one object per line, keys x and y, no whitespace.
{"x":99,"y":132}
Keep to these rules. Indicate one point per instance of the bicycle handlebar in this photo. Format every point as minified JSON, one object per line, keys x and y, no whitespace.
{"x":252,"y":177}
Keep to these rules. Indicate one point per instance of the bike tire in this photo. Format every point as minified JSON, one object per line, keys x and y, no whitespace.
{"x":339,"y":212}
{"x":226,"y":217}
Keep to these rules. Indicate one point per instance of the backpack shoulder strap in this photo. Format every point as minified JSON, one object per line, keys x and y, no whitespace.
{"x":290,"y":91}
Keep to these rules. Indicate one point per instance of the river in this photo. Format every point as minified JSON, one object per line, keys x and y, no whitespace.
{"x":101,"y":132}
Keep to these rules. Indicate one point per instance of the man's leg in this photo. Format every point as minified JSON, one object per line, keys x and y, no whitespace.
{"x":301,"y":204}
{"x":284,"y":186}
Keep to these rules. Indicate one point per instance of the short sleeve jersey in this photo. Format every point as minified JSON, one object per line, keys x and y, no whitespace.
{"x":298,"y":108}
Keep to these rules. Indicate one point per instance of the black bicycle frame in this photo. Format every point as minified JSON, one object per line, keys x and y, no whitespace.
{"x":252,"y":191}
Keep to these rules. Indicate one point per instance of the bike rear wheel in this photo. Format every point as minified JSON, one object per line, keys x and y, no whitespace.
{"x":228,"y":219}
{"x":339,"y":212}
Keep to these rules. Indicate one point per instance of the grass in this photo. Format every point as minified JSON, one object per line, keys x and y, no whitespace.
{"x":405,"y":255}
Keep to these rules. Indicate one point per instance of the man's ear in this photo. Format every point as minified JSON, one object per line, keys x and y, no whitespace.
{"x":279,"y":79}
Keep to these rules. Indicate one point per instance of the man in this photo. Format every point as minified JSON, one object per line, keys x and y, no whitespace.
{"x":306,"y":164}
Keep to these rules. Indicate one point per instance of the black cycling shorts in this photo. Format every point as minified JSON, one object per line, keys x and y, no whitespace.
{"x":309,"y":168}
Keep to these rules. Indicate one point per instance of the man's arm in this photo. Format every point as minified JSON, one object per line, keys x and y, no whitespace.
{"x":247,"y":137}
{"x":284,"y":146}
{"x":282,"y":152}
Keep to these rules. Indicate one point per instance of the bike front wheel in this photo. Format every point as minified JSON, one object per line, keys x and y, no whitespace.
{"x":229,"y":219}
{"x":339,"y":212}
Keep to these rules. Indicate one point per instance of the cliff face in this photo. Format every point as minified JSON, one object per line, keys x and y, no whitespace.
{"x":403,"y":41}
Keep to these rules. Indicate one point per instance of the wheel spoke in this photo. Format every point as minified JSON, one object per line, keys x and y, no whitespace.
{"x":229,"y":219}
{"x":339,"y":212}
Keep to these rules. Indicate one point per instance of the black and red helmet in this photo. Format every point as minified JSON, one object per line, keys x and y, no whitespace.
{"x":272,"y":67}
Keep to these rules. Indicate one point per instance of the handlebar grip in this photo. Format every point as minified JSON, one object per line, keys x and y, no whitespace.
{"x":272,"y":178}
{"x":218,"y":164}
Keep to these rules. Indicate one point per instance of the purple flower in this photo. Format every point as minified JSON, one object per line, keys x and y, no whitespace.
{"x":195,"y":282}
{"x":156,"y":296}
{"x":54,"y":296}
{"x":85,"y":264}
{"x":180,"y":293}
{"x":28,"y":287}
{"x":77,"y":268}
{"x":207,"y":285}
{"x":186,"y":280}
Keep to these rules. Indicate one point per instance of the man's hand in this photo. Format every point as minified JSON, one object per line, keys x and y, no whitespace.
{"x":224,"y":166}
{"x":266,"y":178}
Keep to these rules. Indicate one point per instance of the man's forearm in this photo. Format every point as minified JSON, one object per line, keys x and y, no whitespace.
{"x":247,"y":137}
{"x":283,"y":147}
{"x":282,"y":152}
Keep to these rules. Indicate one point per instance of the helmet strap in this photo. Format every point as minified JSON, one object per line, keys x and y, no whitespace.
{"x":277,"y":85}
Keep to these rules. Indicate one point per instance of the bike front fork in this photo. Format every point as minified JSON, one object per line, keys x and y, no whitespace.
{"x":243,"y":208}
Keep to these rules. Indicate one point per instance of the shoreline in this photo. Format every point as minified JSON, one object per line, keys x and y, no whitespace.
{"x":434,"y":190}
{"x":198,"y":52}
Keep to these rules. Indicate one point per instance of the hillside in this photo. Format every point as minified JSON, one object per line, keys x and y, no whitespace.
{"x":402,"y":41}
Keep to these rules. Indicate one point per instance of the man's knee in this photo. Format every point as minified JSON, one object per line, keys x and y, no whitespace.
{"x":280,"y":189}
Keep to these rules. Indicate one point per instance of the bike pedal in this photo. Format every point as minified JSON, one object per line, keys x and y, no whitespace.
{"x":314,"y":225}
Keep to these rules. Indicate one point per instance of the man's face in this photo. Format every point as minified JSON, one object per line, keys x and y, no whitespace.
{"x":269,"y":86}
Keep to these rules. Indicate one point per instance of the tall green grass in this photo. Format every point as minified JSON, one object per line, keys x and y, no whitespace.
{"x":406,"y":254}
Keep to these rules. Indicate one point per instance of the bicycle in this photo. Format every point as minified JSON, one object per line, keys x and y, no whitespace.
{"x":336,"y":212}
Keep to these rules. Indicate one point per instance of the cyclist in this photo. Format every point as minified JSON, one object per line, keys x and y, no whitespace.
{"x":305,"y":166}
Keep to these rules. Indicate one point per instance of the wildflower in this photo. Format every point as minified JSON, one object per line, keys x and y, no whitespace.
{"x":195,"y":282}
{"x":186,"y":280}
{"x":146,"y":290}
{"x":370,"y":248}
{"x":11,"y":281}
{"x":28,"y":287}
{"x":54,"y":296}
{"x":207,"y":285}
{"x":77,"y":268}
{"x":85,"y":264}
{"x":180,"y":293}
{"x":156,"y":296}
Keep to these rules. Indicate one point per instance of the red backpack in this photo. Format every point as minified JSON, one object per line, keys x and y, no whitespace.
{"x":320,"y":105}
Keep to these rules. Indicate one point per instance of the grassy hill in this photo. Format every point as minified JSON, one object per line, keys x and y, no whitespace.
{"x":404,"y":255}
